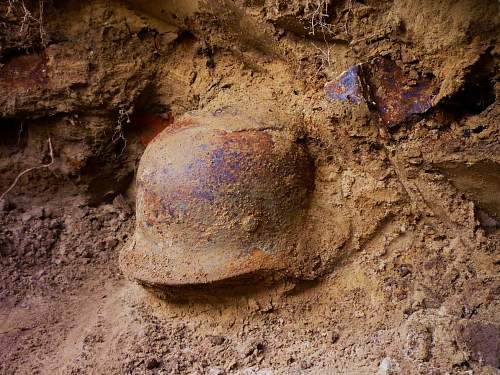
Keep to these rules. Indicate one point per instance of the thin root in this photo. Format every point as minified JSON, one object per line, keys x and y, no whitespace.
{"x":28,"y":16}
{"x":51,"y":151}
{"x":118,"y":134}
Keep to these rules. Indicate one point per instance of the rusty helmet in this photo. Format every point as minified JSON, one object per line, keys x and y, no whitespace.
{"x":219,"y":196}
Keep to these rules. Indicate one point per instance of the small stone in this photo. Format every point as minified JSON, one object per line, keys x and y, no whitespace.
{"x":39,"y":212}
{"x":359,"y":314}
{"x":216,"y":371}
{"x":26,"y":217}
{"x":250,"y":224}
{"x":54,"y":224}
{"x":385,"y":366}
{"x":348,"y":86}
{"x":121,"y":203}
{"x":415,"y":161}
{"x":102,"y":246}
{"x":404,"y":271}
{"x":233,"y":365}
{"x":253,"y":305}
{"x":152,"y":363}
{"x":48,"y":212}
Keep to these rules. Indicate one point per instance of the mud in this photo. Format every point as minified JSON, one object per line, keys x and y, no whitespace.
{"x":404,"y":214}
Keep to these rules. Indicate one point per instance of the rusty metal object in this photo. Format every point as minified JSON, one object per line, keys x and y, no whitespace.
{"x":218,"y":197}
{"x":387,"y":90}
{"x":348,"y":86}
{"x":397,"y":96}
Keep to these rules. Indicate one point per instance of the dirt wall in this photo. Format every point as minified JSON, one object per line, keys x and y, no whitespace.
{"x":404,"y":221}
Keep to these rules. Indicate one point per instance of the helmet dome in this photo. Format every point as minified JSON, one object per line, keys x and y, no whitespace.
{"x":218,"y":197}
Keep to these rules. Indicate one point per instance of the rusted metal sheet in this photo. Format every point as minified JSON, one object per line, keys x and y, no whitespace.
{"x":349,"y":86}
{"x":217,"y":199}
{"x":387,"y":90}
{"x":396,"y":97}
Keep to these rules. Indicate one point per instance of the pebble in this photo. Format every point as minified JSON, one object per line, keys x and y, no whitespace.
{"x":404,"y":270}
{"x":38,"y":212}
{"x":385,"y":366}
{"x":26,"y":217}
{"x":304,"y":365}
{"x":48,"y":212}
{"x":54,"y":224}
{"x":216,"y":371}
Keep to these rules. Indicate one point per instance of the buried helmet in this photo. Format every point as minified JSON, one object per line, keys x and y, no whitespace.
{"x":219,"y":197}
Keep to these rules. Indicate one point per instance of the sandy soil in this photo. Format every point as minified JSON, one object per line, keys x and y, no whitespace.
{"x":405,"y":215}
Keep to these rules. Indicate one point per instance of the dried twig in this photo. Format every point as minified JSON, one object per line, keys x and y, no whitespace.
{"x":51,"y":151}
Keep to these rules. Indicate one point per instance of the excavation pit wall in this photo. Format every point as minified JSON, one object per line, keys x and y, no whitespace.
{"x":412,"y":283}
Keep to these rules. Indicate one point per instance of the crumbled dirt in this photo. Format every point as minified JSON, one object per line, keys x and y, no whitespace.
{"x":404,"y":228}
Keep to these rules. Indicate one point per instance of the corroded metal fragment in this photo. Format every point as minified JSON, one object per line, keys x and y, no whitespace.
{"x":396,"y":97}
{"x":349,"y":86}
{"x":218,"y":198}
{"x":387,"y":90}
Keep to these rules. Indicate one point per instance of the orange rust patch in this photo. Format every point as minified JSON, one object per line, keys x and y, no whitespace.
{"x":25,"y":71}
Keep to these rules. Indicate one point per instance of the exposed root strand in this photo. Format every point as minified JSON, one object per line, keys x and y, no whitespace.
{"x":51,"y":151}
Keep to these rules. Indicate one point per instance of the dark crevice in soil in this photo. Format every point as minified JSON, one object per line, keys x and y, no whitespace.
{"x":478,"y":92}
{"x":13,"y":133}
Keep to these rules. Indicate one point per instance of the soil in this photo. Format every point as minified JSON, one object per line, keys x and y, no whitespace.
{"x":405,"y":219}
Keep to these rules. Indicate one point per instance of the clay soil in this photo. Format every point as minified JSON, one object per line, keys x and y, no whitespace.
{"x":405,"y":220}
